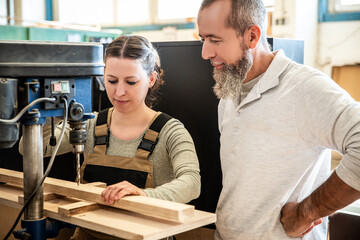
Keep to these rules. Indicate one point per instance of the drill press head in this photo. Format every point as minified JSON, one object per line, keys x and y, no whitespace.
{"x":30,"y":70}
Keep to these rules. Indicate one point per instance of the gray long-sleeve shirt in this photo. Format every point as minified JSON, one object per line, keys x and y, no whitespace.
{"x":275,"y":148}
{"x":176,"y":166}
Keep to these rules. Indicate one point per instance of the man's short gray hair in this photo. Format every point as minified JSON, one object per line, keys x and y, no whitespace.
{"x":243,"y":15}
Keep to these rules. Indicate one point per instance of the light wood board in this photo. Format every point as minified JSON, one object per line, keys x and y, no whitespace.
{"x":117,"y":222}
{"x":149,"y":206}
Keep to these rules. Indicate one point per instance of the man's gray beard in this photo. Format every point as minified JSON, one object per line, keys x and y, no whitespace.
{"x":229,"y":79}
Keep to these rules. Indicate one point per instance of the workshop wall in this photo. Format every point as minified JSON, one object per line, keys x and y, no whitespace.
{"x":297,"y":19}
{"x":338,"y":45}
{"x":327,"y":44}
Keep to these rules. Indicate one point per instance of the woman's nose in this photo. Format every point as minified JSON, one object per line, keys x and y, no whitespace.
{"x":120,"y":89}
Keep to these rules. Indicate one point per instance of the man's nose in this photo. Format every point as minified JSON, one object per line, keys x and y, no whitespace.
{"x":207,"y":51}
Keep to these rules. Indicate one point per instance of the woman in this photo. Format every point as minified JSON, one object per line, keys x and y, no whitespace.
{"x":133,"y":148}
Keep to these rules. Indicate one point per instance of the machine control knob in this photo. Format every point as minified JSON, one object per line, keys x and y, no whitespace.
{"x":76,"y":111}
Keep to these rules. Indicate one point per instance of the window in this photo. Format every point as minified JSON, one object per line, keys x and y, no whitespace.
{"x":346,"y":5}
{"x":33,"y":11}
{"x":125,"y":12}
{"x":269,"y":3}
{"x":128,"y":12}
{"x":86,"y":12}
{"x":22,"y":12}
{"x":3,"y":13}
{"x":132,"y":12}
{"x":176,"y":11}
{"x":339,"y":10}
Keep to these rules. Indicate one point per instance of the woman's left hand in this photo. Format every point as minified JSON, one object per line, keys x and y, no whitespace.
{"x":116,"y":191}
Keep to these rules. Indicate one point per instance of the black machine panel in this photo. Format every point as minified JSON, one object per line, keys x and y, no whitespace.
{"x":187,"y":95}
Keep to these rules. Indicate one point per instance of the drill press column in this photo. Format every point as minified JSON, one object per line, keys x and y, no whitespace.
{"x":33,"y":167}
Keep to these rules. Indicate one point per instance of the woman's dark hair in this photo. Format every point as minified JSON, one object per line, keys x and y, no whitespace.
{"x":138,"y":47}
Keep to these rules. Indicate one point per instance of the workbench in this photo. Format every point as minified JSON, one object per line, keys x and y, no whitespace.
{"x":133,"y":217}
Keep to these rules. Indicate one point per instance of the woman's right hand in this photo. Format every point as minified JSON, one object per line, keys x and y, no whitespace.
{"x":116,"y":191}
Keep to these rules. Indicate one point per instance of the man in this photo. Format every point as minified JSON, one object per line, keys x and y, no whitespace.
{"x":278,"y":121}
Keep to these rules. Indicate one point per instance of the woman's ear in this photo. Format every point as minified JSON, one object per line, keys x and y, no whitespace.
{"x":153,"y":77}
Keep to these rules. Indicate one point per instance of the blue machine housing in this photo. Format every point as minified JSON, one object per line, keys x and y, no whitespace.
{"x":82,"y":89}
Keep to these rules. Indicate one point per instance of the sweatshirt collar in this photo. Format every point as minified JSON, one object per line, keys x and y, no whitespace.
{"x":270,"y":78}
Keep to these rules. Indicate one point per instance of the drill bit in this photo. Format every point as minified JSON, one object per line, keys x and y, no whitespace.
{"x":77,"y":138}
{"x":78,"y":168}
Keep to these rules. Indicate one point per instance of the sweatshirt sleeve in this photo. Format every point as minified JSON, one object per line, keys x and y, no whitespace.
{"x":185,"y":185}
{"x":329,"y":117}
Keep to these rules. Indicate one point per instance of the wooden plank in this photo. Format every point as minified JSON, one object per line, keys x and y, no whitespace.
{"x":51,"y":196}
{"x":46,"y":196}
{"x":116,"y":222}
{"x":77,"y":208}
{"x":9,"y":195}
{"x":97,"y":184}
{"x":171,"y":211}
{"x":11,"y":177}
{"x":144,"y":205}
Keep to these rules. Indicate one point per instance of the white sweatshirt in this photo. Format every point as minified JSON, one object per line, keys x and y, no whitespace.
{"x":275,"y":148}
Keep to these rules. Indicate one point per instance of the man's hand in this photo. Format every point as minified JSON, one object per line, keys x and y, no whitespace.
{"x":116,"y":191}
{"x":300,"y":218}
{"x":295,"y":221}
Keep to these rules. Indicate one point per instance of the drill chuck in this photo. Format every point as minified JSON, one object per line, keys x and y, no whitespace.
{"x":78,"y":148}
{"x":77,"y":136}
{"x":77,"y":132}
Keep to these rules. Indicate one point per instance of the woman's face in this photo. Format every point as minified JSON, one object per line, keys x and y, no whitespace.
{"x":126,"y":83}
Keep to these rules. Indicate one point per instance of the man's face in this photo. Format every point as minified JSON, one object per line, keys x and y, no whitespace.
{"x":226,"y":50}
{"x":229,"y":79}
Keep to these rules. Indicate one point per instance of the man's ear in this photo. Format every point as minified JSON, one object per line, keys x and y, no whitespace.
{"x":252,"y":36}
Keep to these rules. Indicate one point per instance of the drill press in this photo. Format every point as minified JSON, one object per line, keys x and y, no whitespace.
{"x":41,"y":79}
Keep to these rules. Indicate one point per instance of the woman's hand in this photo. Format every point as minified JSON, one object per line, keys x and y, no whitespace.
{"x":116,"y":191}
